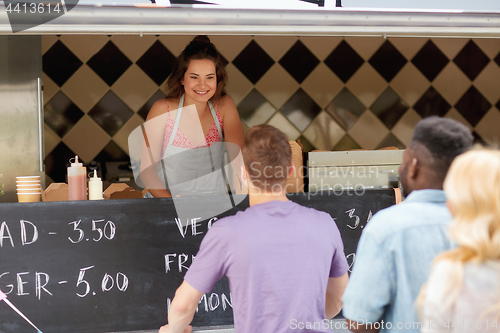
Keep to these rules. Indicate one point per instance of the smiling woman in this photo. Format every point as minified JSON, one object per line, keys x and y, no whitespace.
{"x":196,"y":114}
{"x":199,"y":81}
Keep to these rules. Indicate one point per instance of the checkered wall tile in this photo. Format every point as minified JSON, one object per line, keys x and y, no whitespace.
{"x":329,"y":92}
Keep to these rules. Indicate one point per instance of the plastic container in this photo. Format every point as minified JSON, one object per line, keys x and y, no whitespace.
{"x":95,"y":187}
{"x":77,"y":181}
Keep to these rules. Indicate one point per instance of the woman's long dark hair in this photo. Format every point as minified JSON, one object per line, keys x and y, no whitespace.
{"x":199,"y":48}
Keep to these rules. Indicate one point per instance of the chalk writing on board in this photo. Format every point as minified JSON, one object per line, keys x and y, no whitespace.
{"x":108,"y":231}
{"x":211,"y":303}
{"x":6,"y":234}
{"x":356,"y":218}
{"x":29,"y":234}
{"x":177,"y":261}
{"x":195,"y":226}
{"x":350,"y":260}
{"x":108,"y":282}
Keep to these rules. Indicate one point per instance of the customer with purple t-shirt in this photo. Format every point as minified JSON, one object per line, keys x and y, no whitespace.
{"x":285,"y":263}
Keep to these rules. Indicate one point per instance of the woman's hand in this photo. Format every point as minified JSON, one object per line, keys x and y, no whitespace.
{"x":160,"y":193}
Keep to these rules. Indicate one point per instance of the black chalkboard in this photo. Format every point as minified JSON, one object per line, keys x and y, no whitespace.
{"x":113,"y":266}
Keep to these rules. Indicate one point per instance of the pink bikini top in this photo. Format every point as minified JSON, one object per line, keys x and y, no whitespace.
{"x":182,"y":141}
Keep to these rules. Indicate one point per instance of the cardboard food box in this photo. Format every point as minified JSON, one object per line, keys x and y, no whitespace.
{"x":55,"y":192}
{"x":295,"y":182}
{"x":122,"y":191}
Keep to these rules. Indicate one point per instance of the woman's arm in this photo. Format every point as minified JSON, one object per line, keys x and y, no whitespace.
{"x":153,"y":131}
{"x":233,"y":136}
{"x":233,"y":130}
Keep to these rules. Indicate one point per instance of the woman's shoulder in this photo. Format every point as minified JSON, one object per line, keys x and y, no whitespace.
{"x":162,"y":106}
{"x":225,"y":101}
{"x":225,"y":105}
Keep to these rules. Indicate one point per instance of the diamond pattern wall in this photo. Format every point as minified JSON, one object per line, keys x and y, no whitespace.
{"x":157,"y":62}
{"x":299,"y":61}
{"x":59,"y":63}
{"x":388,"y":61}
{"x":328,"y":92}
{"x":430,"y":68}
{"x":344,"y":61}
{"x":109,"y":63}
{"x":471,"y":60}
{"x":389,"y":107}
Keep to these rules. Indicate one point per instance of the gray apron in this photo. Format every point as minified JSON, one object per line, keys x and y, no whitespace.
{"x":198,"y":171}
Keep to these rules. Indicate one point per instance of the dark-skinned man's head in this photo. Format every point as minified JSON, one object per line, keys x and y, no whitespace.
{"x":436,"y":142}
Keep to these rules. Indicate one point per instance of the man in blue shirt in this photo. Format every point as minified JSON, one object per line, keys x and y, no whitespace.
{"x":398,"y":245}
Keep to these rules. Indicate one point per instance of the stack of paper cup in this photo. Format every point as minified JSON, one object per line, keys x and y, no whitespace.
{"x":28,"y":188}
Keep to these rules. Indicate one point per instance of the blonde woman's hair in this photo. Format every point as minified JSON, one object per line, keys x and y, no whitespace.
{"x":472,"y":188}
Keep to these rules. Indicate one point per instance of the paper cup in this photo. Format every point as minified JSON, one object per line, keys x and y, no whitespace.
{"x":29,"y":190}
{"x":27,"y":182}
{"x":28,"y":197}
{"x":28,"y":178}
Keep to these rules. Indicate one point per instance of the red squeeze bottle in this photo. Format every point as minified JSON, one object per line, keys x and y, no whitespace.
{"x":77,"y":181}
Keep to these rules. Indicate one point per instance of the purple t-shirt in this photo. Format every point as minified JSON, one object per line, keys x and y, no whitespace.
{"x":277,"y":257}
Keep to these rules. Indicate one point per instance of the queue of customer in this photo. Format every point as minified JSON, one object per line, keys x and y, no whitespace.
{"x":398,"y":249}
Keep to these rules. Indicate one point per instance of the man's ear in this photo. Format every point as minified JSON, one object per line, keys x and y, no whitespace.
{"x":413,"y":168}
{"x":291,"y":170}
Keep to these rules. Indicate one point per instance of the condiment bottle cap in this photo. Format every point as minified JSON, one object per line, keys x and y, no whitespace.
{"x":76,"y":163}
{"x":94,"y":175}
